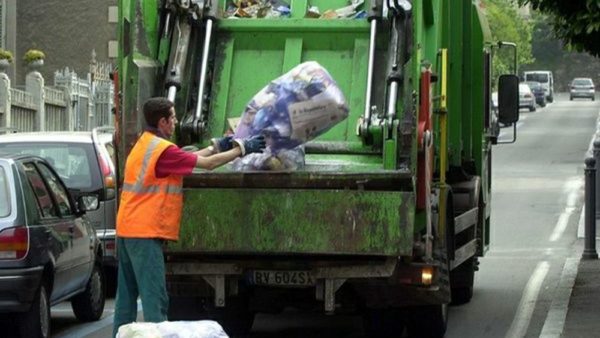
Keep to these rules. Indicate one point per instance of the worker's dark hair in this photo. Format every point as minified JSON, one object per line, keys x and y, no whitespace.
{"x":155,"y":109}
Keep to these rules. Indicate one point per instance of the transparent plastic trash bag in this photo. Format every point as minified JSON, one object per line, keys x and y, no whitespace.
{"x":295,"y":108}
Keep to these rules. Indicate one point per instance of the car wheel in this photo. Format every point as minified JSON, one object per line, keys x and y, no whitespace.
{"x":89,"y":305}
{"x":570,"y":98}
{"x":35,"y":323}
{"x":532,"y":108}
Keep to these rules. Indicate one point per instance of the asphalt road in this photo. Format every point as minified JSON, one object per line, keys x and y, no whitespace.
{"x":537,"y":201}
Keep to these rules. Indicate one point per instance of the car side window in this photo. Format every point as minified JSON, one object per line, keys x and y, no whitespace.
{"x":42,"y":195}
{"x":61,"y":196}
{"x":33,"y":208}
{"x":4,"y":194}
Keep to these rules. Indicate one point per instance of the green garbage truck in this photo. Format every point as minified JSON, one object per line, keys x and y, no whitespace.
{"x":392,"y":208}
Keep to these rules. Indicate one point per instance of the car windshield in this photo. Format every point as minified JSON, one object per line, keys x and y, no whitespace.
{"x":582,"y":82}
{"x":4,"y":194}
{"x":537,"y":77}
{"x":72,"y":161}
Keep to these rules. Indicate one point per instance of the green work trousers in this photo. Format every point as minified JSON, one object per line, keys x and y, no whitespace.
{"x":141,"y":273}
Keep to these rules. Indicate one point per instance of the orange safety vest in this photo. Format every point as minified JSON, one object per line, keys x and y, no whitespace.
{"x":150,"y":207}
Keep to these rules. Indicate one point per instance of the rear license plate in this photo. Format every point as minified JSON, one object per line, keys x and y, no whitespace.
{"x":282,"y":278}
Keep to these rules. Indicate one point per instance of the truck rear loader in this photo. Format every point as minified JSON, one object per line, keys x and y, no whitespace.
{"x":393,"y":207}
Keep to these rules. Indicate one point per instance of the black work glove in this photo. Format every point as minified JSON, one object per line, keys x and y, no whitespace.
{"x":222,"y":144}
{"x":254,"y":144}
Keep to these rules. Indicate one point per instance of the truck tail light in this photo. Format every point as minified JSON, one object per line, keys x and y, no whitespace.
{"x":427,"y":275}
{"x":14,"y":243}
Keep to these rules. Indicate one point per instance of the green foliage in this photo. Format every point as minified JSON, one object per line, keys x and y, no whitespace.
{"x":577,"y":23}
{"x":33,"y":55}
{"x":550,"y":54}
{"x":6,"y":55}
{"x":507,"y":25}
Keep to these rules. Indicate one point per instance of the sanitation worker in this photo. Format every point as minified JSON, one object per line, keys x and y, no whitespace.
{"x":151,"y":204}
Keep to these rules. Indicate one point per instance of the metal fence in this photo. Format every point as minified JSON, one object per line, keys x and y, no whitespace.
{"x":71,"y":104}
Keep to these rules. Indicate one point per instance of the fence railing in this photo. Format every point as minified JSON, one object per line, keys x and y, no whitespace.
{"x":71,"y":104}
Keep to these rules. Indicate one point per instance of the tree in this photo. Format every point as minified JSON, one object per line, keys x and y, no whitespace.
{"x":507,"y":25}
{"x":577,"y":23}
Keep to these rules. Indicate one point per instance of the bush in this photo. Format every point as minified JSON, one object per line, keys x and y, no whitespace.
{"x":33,"y":55}
{"x":6,"y":55}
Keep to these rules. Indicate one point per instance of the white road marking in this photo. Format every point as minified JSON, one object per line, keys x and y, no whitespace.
{"x":520,"y":323}
{"x":574,"y":191}
{"x":555,"y":319}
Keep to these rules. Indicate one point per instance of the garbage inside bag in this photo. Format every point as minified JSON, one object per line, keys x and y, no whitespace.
{"x":292,"y":159}
{"x":293,"y":109}
{"x":257,"y":9}
{"x":178,"y":329}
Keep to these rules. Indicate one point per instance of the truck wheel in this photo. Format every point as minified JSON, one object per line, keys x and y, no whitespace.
{"x":35,"y":323}
{"x":89,"y":305}
{"x":235,"y":317}
{"x":428,"y":321}
{"x":383,"y":323}
{"x":464,"y":276}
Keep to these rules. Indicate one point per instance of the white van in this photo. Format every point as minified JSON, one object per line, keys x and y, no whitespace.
{"x":545,"y":78}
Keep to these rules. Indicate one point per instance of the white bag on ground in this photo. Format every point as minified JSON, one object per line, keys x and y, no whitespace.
{"x":291,"y":110}
{"x":176,"y":329}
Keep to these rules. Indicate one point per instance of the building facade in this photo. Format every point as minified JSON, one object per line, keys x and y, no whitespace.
{"x":68,"y":32}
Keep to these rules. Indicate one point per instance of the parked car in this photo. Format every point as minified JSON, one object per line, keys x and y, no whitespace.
{"x":582,"y":87}
{"x":526,"y":98}
{"x":85,"y":161}
{"x":538,"y":92}
{"x":49,"y":251}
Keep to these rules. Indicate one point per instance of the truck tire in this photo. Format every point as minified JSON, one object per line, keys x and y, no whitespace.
{"x":35,"y":323}
{"x":464,"y":276}
{"x":235,"y":317}
{"x":89,"y":305}
{"x":427,"y":321}
{"x":384,"y":323}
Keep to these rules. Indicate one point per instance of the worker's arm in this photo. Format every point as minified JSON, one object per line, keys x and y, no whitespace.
{"x":208,"y":160}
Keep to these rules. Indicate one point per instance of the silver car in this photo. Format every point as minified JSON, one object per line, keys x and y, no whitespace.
{"x":85,"y":163}
{"x":526,"y":98}
{"x":582,"y":87}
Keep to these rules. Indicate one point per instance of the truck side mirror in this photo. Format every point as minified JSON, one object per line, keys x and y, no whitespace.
{"x":508,"y":99}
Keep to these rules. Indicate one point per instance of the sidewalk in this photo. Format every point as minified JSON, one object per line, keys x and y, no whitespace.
{"x":583,"y":316}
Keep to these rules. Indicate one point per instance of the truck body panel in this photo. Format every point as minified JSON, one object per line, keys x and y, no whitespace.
{"x":393,"y":202}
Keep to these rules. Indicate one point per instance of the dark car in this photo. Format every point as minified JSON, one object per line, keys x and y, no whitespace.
{"x":538,"y":91}
{"x":85,"y":162}
{"x":49,"y":251}
{"x":582,"y":87}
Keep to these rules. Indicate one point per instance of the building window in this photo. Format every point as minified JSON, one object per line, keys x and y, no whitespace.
{"x":113,"y":14}
{"x":113,"y":47}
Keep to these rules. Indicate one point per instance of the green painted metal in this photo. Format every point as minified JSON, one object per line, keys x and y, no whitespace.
{"x":296,"y":221}
{"x":246,"y":55}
